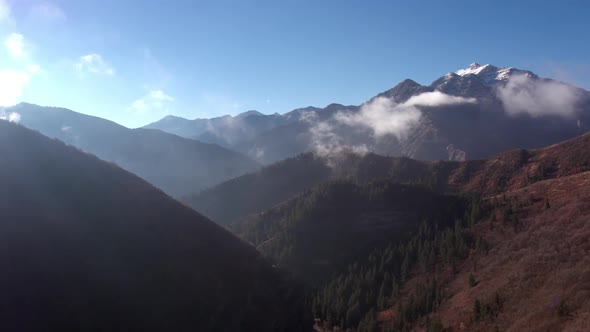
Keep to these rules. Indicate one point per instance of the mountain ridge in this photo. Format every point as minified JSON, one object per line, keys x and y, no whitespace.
{"x":89,"y":246}
{"x":496,"y":114}
{"x":173,"y":163}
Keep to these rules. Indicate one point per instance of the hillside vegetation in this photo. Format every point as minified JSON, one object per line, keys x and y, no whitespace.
{"x":85,"y":245}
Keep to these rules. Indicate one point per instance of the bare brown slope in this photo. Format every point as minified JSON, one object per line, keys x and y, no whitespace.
{"x":519,"y":168}
{"x":540,"y":269}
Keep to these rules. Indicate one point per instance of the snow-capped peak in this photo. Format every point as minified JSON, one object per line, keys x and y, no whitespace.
{"x":488,"y":73}
{"x":474,"y":68}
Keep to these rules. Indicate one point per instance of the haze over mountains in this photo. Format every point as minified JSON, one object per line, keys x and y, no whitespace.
{"x":177,"y":165}
{"x":461,"y":115}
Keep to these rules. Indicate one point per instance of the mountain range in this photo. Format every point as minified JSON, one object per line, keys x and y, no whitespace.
{"x":456,"y":206}
{"x":175,"y":164}
{"x":472,"y":113}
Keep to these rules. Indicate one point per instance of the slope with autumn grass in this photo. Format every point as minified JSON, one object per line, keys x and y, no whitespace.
{"x":539,"y":262}
{"x":85,"y":245}
{"x":414,"y":249}
{"x":517,"y":261}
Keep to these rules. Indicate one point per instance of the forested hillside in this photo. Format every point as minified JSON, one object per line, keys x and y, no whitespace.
{"x":85,"y":245}
{"x":334,"y":224}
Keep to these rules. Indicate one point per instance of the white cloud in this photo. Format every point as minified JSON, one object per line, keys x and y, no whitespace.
{"x":12,"y":83}
{"x":15,"y":45}
{"x":326,"y":142}
{"x":9,"y":116}
{"x":437,"y":98}
{"x":48,"y":11}
{"x":383,"y":117}
{"x":535,"y":97}
{"x":94,"y":63}
{"x":14,"y":117}
{"x":155,"y":100}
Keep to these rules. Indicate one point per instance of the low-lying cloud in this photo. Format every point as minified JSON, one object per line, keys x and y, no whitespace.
{"x":437,"y":98}
{"x":380,"y":117}
{"x":9,"y":116}
{"x":535,"y":97}
{"x":383,"y":117}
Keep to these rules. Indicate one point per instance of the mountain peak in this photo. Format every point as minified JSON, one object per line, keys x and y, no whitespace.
{"x":488,"y":73}
{"x":248,"y":113}
{"x":474,"y":68}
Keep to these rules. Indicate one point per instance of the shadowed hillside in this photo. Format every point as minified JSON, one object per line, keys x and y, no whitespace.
{"x":87,"y":246}
{"x":321,"y":231}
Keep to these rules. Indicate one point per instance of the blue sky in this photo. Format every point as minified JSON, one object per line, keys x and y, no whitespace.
{"x":136,"y":61}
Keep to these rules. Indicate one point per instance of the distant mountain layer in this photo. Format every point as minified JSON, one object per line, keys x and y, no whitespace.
{"x":256,"y":192}
{"x":491,"y":109}
{"x":175,"y":164}
{"x":87,"y":246}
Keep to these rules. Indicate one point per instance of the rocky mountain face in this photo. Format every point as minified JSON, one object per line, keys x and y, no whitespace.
{"x":502,"y":109}
{"x":85,"y":245}
{"x":175,"y":164}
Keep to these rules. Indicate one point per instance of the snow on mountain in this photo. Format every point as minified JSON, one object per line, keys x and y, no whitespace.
{"x":490,"y":74}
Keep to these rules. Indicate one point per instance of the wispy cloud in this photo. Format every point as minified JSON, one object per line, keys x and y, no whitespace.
{"x":536,"y":97}
{"x":437,"y":98}
{"x":326,"y":142}
{"x":48,"y":11}
{"x":9,"y":116}
{"x":155,"y":100}
{"x":94,"y":64}
{"x":380,"y":117}
{"x":15,"y":45}
{"x":383,"y":117}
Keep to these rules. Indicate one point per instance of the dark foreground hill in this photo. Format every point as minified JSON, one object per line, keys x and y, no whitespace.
{"x":87,"y":246}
